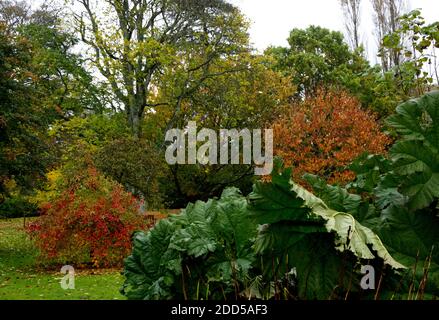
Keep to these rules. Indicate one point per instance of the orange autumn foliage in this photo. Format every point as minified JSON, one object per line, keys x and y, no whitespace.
{"x":323,"y":134}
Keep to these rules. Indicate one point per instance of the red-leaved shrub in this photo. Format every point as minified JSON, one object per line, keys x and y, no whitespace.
{"x":90,"y":223}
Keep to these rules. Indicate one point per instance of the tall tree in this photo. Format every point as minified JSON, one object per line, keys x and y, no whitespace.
{"x":249,"y":99}
{"x":316,"y":56}
{"x":14,"y":13}
{"x":412,"y":74}
{"x":23,"y":149}
{"x":41,"y":81}
{"x":65,"y":87}
{"x":352,"y":15}
{"x":386,"y":19}
{"x":157,"y":37}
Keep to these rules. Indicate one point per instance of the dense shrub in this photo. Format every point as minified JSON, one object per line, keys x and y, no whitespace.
{"x":215,"y":249}
{"x":135,"y":164}
{"x":91,"y":223}
{"x":17,"y":206}
{"x":325,"y":133}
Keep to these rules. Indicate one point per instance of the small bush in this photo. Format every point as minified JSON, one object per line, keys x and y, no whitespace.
{"x":90,"y":223}
{"x":16,"y":207}
{"x":134,"y":164}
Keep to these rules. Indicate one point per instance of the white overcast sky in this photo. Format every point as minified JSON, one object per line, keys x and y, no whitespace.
{"x":272,"y":20}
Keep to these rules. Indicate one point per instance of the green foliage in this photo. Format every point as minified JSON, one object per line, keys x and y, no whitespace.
{"x":94,"y":130}
{"x":377,"y":90}
{"x":411,"y":75}
{"x":368,"y":170}
{"x":319,"y":57}
{"x":169,"y":46}
{"x":24,"y":149}
{"x":41,"y":81}
{"x":416,"y":155}
{"x":383,"y":91}
{"x":305,"y":246}
{"x":17,"y":206}
{"x":203,"y":253}
{"x":412,"y":171}
{"x":168,"y":62}
{"x":189,"y":183}
{"x":249,"y":97}
{"x":214,"y":249}
{"x":335,"y":197}
{"x":410,"y":237}
{"x":411,"y":215}
{"x":104,"y":141}
{"x":305,"y":233}
{"x":134,"y":164}
{"x":400,"y":194}
{"x":64,"y":85}
{"x":315,"y":57}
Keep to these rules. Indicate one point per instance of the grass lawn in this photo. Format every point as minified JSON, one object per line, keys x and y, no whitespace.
{"x":21,"y":278}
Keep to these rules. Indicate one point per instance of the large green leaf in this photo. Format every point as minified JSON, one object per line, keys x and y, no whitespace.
{"x":149,"y":269}
{"x":339,"y":199}
{"x":387,"y":193}
{"x":274,"y":202}
{"x":411,"y":237}
{"x":195,"y":238}
{"x":350,"y":234}
{"x":206,"y":248}
{"x":418,"y":119}
{"x":405,"y":191}
{"x":416,"y":155}
{"x":368,"y":170}
{"x":216,"y":248}
{"x":417,"y":165}
{"x":334,"y":197}
{"x":321,"y":243}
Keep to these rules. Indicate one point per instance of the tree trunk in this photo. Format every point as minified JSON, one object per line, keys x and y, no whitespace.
{"x":135,"y":115}
{"x":394,"y":15}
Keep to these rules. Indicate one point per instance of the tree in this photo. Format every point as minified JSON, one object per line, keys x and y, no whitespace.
{"x":14,"y":13}
{"x":386,"y":19}
{"x":352,"y":15}
{"x":319,"y":57}
{"x":64,"y":84}
{"x":135,"y":165}
{"x":252,"y":97}
{"x":42,"y":81}
{"x":381,"y":90}
{"x":412,"y":75}
{"x":315,"y":57}
{"x":153,"y":38}
{"x":24,"y":150}
{"x":401,"y":192}
{"x":323,"y":134}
